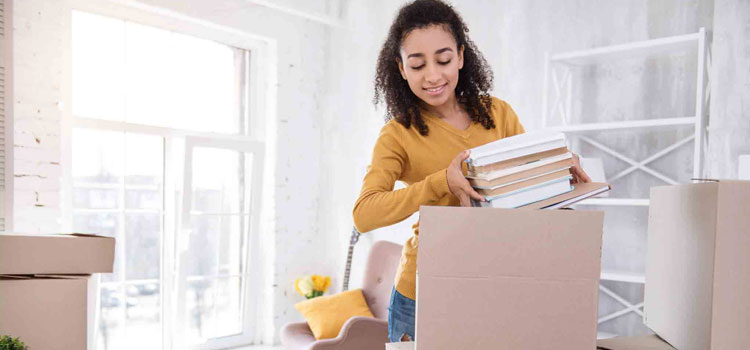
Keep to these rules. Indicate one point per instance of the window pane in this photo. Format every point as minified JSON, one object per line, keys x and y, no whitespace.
{"x":202,"y":255}
{"x":110,"y":332}
{"x":200,"y":305}
{"x":96,"y":198}
{"x":179,"y":81}
{"x":144,"y":171}
{"x":231,"y":243}
{"x":143,"y":246}
{"x":143,"y":316}
{"x":144,"y":159}
{"x":97,"y":157}
{"x":214,"y":308}
{"x":98,"y":62}
{"x":228,"y":306}
{"x":220,"y":177}
{"x":105,"y":224}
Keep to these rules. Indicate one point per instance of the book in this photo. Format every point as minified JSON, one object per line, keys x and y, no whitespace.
{"x":523,"y":183}
{"x":527,"y":171}
{"x":528,"y":195}
{"x":580,"y":192}
{"x":515,"y":146}
{"x":478,"y":170}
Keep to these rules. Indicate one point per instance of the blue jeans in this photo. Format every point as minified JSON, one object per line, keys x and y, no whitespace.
{"x":400,"y":317}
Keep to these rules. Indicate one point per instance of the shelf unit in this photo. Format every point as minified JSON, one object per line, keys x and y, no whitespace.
{"x":557,"y":104}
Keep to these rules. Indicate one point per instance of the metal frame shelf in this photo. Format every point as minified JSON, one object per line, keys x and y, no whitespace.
{"x":558,"y":82}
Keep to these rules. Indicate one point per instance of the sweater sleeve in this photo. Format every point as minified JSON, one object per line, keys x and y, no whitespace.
{"x":378,"y":204}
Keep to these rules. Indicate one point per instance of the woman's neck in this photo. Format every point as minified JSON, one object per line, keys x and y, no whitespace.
{"x":448,"y":110}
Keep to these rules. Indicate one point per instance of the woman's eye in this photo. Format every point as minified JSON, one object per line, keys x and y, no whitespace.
{"x":418,"y":67}
{"x":446,"y":62}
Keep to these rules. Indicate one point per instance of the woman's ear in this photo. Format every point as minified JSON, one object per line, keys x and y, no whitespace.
{"x":401,"y":69}
{"x":461,"y":57}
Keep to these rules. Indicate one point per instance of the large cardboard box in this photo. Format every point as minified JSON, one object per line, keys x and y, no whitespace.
{"x":492,"y":278}
{"x":646,"y":342}
{"x":45,"y":312}
{"x":697,"y":294}
{"x":55,"y":254}
{"x":44,"y":285}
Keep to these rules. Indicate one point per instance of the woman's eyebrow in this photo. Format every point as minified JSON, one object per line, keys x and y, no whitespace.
{"x":419,"y":54}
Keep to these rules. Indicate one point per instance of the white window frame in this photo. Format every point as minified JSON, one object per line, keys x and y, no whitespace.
{"x":259,"y":130}
{"x":252,"y":246}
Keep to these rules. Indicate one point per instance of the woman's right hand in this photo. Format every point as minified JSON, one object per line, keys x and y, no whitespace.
{"x":458,"y":184}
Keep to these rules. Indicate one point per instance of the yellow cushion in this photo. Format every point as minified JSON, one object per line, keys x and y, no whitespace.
{"x":327,"y":314}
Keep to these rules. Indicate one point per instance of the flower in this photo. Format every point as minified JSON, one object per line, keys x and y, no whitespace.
{"x":321,"y":283}
{"x":312,"y":286}
{"x":304,"y":286}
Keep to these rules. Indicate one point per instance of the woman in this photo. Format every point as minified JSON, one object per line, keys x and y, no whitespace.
{"x":435,"y":85}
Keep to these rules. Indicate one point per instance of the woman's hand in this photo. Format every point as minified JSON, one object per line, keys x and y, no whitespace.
{"x":579,"y":176}
{"x":458,"y":184}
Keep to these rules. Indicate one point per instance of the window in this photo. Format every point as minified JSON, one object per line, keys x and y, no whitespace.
{"x":161,"y":160}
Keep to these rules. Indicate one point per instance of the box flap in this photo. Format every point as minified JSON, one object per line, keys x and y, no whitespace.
{"x":731,"y":284}
{"x":510,"y":242}
{"x":55,"y":254}
{"x":646,"y":342}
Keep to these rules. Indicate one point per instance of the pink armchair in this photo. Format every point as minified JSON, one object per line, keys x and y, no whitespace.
{"x":360,"y":333}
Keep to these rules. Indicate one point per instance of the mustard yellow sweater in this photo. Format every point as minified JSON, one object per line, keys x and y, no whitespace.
{"x":420,"y":162}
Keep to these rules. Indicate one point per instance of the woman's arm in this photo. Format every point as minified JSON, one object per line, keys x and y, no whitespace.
{"x":378,"y":204}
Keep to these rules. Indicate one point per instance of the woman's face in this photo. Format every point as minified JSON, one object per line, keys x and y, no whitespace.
{"x":430,"y":62}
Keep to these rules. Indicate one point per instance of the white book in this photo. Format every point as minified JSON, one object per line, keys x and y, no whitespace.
{"x":517,"y":169}
{"x":529,"y":195}
{"x":516,"y":146}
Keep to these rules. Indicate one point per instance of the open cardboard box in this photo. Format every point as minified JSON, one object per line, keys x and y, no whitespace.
{"x":492,"y":278}
{"x":44,"y":284}
{"x":697,"y":294}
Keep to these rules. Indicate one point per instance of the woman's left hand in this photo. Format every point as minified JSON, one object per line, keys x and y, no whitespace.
{"x":579,"y":176}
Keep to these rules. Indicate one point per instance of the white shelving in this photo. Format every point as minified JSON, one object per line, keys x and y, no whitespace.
{"x":634,"y":49}
{"x":558,"y":91}
{"x":627,"y":124}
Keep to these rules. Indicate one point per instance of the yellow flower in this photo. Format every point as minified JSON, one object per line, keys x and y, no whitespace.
{"x":304,"y":286}
{"x":321,"y":283}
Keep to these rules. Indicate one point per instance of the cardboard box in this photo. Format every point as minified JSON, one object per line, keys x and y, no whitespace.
{"x":405,"y":345}
{"x":45,"y":312}
{"x":55,"y":254}
{"x":697,"y":294}
{"x":507,"y":279}
{"x":646,"y":342}
{"x":44,"y":285}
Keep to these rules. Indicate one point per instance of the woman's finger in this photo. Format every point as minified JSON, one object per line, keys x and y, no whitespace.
{"x":464,"y":199}
{"x":475,"y":195}
{"x":580,"y":174}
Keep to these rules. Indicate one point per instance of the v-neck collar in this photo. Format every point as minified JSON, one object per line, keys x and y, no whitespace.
{"x":447,"y":126}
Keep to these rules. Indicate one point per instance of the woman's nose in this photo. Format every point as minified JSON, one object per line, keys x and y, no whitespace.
{"x":432,"y":73}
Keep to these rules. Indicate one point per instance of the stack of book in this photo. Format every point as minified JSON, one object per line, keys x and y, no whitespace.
{"x":531,"y":170}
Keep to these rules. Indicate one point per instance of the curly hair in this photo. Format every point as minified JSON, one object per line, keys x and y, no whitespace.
{"x":475,"y":78}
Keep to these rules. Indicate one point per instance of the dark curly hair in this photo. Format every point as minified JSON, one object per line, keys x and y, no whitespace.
{"x":475,"y":78}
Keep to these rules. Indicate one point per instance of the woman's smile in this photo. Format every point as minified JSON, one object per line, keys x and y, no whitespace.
{"x":436,"y":90}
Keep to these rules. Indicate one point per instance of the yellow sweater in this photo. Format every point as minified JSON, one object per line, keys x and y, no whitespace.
{"x":420,"y":162}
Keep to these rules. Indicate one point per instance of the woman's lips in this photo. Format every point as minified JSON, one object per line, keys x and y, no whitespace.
{"x":436,"y":90}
